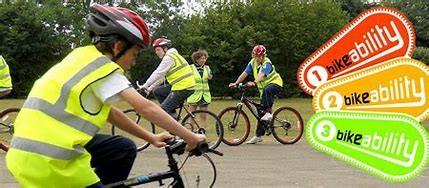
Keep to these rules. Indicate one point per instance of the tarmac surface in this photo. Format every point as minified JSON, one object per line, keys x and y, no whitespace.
{"x":267,"y":164}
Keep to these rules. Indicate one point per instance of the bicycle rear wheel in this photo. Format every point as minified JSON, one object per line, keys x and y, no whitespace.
{"x":237,"y":126}
{"x":211,"y":126}
{"x":197,"y":172}
{"x":7,"y":118}
{"x":288,"y":125}
{"x":140,"y":143}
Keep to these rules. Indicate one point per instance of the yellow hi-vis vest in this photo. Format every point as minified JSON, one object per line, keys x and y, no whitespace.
{"x":5,"y":79}
{"x":53,"y":126}
{"x":180,"y":75}
{"x":202,"y":89}
{"x":272,"y":78}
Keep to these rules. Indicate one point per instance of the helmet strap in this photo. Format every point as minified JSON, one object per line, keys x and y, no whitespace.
{"x":127,"y":46}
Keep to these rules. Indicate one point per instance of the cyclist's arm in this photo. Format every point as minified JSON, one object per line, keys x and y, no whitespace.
{"x":158,"y":75}
{"x":155,"y":114}
{"x":120,"y":120}
{"x":241,"y":77}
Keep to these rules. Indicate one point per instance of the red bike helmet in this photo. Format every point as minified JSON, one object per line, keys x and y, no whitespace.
{"x":259,"y":50}
{"x":161,"y":42}
{"x":107,"y":20}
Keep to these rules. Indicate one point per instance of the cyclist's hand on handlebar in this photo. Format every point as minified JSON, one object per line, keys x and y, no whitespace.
{"x":160,"y":139}
{"x":193,"y":143}
{"x":232,"y":85}
{"x":251,"y":84}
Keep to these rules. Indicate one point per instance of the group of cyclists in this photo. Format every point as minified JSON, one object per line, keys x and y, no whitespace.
{"x":56,"y":141}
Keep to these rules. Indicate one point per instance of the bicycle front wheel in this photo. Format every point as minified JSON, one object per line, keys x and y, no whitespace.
{"x":237,"y":126}
{"x":205,"y":122}
{"x":197,"y":172}
{"x":288,"y":125}
{"x":7,"y":118}
{"x":140,"y":143}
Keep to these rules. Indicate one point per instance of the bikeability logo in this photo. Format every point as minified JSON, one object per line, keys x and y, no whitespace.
{"x":374,"y":36}
{"x":399,"y":85}
{"x":391,"y":146}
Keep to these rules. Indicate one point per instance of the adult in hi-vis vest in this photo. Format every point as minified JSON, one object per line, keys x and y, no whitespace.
{"x":269,"y":84}
{"x":202,"y":74}
{"x":56,"y":142}
{"x":5,"y":79}
{"x":176,"y":70}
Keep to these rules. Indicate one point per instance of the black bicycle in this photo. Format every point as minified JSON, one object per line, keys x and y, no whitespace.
{"x":286,"y":125}
{"x":198,"y":121}
{"x":177,"y":147}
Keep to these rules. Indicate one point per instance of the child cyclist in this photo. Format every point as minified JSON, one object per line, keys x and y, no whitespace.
{"x":56,"y":142}
{"x":269,"y":84}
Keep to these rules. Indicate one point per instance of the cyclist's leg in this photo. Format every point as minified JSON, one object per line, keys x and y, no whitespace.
{"x":267,"y":101}
{"x":4,"y":91}
{"x":174,"y":99}
{"x":268,"y":94}
{"x":112,"y":157}
{"x":161,"y":92}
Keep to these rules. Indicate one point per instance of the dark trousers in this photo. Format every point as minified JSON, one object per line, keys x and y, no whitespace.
{"x":267,"y":101}
{"x":112,"y":157}
{"x":170,"y":100}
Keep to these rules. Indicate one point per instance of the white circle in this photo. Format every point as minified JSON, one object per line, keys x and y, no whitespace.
{"x":317,"y":75}
{"x":324,"y":127}
{"x":332,"y":101}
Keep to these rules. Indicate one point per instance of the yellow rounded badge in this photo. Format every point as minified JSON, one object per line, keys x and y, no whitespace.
{"x":399,"y":85}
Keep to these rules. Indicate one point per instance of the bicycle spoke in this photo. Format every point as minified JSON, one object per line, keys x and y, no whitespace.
{"x":287,"y":125}
{"x":6,"y":126}
{"x":198,"y":172}
{"x":205,"y":122}
{"x":236,"y":126}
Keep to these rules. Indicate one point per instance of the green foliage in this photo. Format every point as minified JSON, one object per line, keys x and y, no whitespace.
{"x":422,"y":54}
{"x":291,"y":31}
{"x":417,"y":11}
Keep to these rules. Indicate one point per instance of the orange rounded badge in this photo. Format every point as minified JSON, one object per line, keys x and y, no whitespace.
{"x":374,"y":36}
{"x":399,"y":85}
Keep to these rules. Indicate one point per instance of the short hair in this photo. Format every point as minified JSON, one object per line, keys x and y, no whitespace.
{"x":196,"y":55}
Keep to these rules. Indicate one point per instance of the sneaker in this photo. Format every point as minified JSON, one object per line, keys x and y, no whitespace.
{"x":254,"y":140}
{"x":267,"y":117}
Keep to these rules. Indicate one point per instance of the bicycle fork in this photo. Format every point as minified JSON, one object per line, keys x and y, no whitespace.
{"x":232,"y":125}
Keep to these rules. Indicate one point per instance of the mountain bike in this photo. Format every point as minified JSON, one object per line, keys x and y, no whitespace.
{"x":286,"y":125}
{"x":7,"y":118}
{"x":211,"y":127}
{"x":177,"y":147}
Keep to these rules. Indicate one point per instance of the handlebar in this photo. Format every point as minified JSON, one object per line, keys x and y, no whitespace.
{"x":178,"y":145}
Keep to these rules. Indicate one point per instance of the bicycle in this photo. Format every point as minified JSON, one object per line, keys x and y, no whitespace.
{"x":7,"y":118}
{"x":177,"y":147}
{"x":212,"y":127}
{"x":286,"y":125}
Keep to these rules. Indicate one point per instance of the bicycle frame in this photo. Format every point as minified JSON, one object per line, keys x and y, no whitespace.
{"x":172,"y":173}
{"x":176,"y":146}
{"x":248,"y":103}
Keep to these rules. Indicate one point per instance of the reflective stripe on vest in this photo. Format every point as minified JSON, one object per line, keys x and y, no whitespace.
{"x":5,"y":79}
{"x":272,"y":77}
{"x":46,"y":149}
{"x":202,"y":89}
{"x":180,"y":76}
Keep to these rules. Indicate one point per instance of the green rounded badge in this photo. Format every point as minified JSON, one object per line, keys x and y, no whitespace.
{"x":391,"y":146}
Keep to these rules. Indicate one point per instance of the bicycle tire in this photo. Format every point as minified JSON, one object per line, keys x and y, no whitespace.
{"x":7,"y":118}
{"x":287,"y":125}
{"x":197,"y":171}
{"x":140,"y":143}
{"x":234,"y":133}
{"x":213,"y":129}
